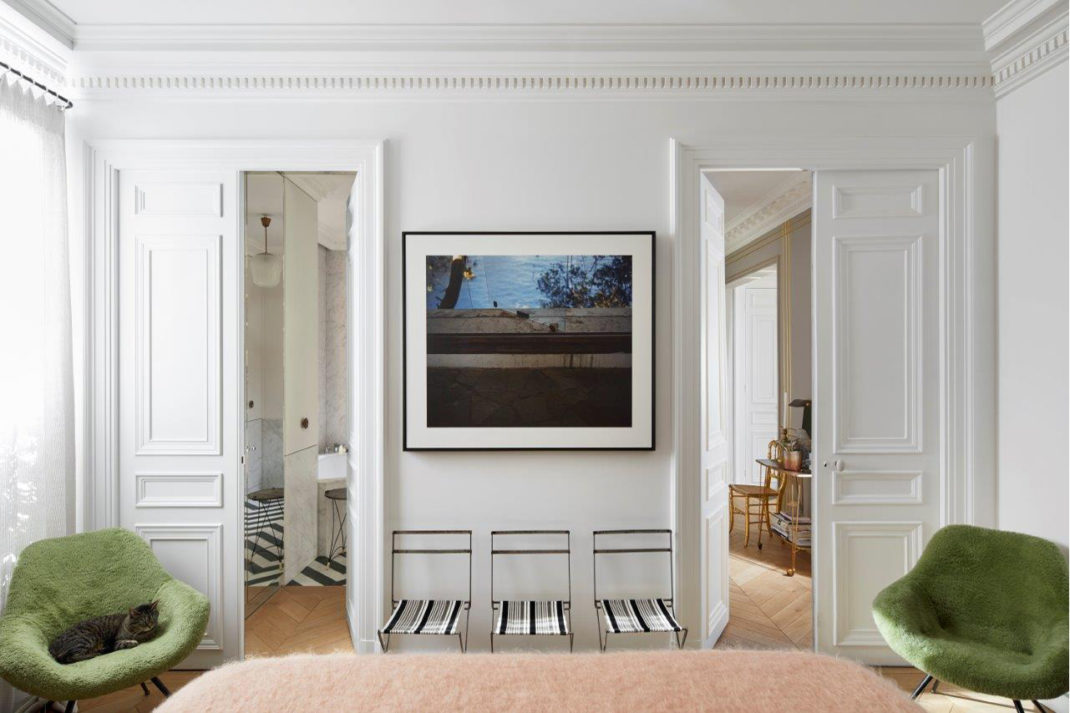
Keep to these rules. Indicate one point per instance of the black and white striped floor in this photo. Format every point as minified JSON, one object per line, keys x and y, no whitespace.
{"x":263,"y":555}
{"x":319,"y":574}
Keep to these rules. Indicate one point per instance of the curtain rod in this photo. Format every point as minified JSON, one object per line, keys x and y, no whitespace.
{"x":8,"y":68}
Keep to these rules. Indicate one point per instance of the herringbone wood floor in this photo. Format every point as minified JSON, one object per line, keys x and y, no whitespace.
{"x":295,"y":620}
{"x":768,"y":610}
{"x":309,"y":620}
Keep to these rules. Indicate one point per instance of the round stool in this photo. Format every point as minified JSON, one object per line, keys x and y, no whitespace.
{"x":337,"y":496}
{"x":264,"y":498}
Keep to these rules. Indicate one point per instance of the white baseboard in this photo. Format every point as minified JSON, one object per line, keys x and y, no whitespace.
{"x":359,"y":646}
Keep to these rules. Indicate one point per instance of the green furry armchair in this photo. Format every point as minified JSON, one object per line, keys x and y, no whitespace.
{"x":62,"y":581}
{"x":985,"y":610}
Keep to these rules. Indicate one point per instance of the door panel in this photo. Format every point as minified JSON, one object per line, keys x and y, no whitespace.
{"x":757,"y":379}
{"x":179,"y":445}
{"x":300,"y":376}
{"x":715,"y":464}
{"x":878,"y":480}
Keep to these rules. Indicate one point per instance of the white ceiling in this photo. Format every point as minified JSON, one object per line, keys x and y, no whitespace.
{"x":331,"y":193}
{"x":743,"y":191}
{"x":264,"y":196}
{"x":438,"y":12}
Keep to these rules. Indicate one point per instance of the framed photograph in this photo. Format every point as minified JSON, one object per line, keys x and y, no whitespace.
{"x":528,"y":341}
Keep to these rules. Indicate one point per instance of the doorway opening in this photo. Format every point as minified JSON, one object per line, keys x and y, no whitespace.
{"x":767,"y":389}
{"x":296,"y":407}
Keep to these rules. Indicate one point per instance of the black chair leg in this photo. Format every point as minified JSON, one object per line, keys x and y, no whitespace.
{"x":144,"y":688}
{"x":70,"y":707}
{"x":1018,"y":706}
{"x":1042,"y":709}
{"x":921,"y":687}
{"x":159,"y":684}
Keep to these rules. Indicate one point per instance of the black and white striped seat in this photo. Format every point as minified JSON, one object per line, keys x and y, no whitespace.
{"x":532,"y":617}
{"x":630,"y":616}
{"x":424,"y":616}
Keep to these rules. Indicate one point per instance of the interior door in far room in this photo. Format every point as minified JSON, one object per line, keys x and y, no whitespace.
{"x":300,"y":364}
{"x":714,"y":417}
{"x":878,"y":239}
{"x":755,"y":374}
{"x":179,"y":384}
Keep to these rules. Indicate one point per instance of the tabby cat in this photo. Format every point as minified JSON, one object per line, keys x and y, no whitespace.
{"x":105,"y":634}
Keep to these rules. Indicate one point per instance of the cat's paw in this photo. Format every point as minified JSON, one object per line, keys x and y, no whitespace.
{"x":125,"y":644}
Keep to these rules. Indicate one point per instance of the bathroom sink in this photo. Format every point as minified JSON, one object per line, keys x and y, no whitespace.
{"x":332,"y":466}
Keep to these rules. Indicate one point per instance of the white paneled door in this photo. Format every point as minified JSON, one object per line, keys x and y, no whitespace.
{"x":713,"y":423}
{"x":756,"y":377}
{"x":178,"y":341}
{"x":878,"y":476}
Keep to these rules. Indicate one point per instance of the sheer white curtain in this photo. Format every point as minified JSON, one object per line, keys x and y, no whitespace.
{"x":36,"y":382}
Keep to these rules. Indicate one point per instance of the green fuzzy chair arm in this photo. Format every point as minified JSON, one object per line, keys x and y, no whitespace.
{"x":29,"y":623}
{"x":907,"y":619}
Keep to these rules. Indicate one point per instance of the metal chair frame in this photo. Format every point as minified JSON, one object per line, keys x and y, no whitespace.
{"x":603,"y":642}
{"x":261,"y":523}
{"x":395,"y":551}
{"x":338,"y":535}
{"x":929,"y":679}
{"x":495,"y":552}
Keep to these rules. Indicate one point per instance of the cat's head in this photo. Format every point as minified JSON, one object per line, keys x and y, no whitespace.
{"x":144,"y":617}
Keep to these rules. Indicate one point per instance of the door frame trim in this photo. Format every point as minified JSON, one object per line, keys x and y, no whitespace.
{"x":102,"y":161}
{"x":967,"y":333}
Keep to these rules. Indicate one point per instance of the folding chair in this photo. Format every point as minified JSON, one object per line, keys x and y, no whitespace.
{"x":531,"y":617}
{"x":635,"y":616}
{"x":440,"y":617}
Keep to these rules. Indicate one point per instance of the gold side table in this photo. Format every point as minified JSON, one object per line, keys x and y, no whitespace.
{"x":793,"y":486}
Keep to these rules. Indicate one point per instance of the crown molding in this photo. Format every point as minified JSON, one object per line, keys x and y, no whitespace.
{"x":27,"y":48}
{"x":600,"y":60}
{"x":1024,"y":39}
{"x":945,"y":38}
{"x":48,"y":18}
{"x":785,"y":201}
{"x":351,"y":61}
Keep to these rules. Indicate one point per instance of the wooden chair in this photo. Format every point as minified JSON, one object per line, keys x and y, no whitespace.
{"x":756,"y":499}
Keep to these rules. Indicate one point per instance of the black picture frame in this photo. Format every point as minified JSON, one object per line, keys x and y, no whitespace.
{"x":649,"y":429}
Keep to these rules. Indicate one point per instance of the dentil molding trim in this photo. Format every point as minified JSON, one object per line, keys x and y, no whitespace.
{"x":786,"y":201}
{"x":1024,"y":39}
{"x":355,"y":85}
{"x":27,"y":48}
{"x":352,"y":60}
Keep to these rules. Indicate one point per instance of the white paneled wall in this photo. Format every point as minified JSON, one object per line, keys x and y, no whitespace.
{"x":563,"y":163}
{"x":1034,"y":346}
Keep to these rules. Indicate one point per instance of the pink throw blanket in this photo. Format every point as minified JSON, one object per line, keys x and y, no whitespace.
{"x":663,"y":681}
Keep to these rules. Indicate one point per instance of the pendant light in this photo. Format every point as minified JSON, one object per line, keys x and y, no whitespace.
{"x":265,"y":267}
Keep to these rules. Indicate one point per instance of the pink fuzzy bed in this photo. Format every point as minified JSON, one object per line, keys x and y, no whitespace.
{"x":668,"y":682}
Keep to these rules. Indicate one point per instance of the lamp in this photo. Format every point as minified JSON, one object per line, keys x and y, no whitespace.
{"x":266,"y":268}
